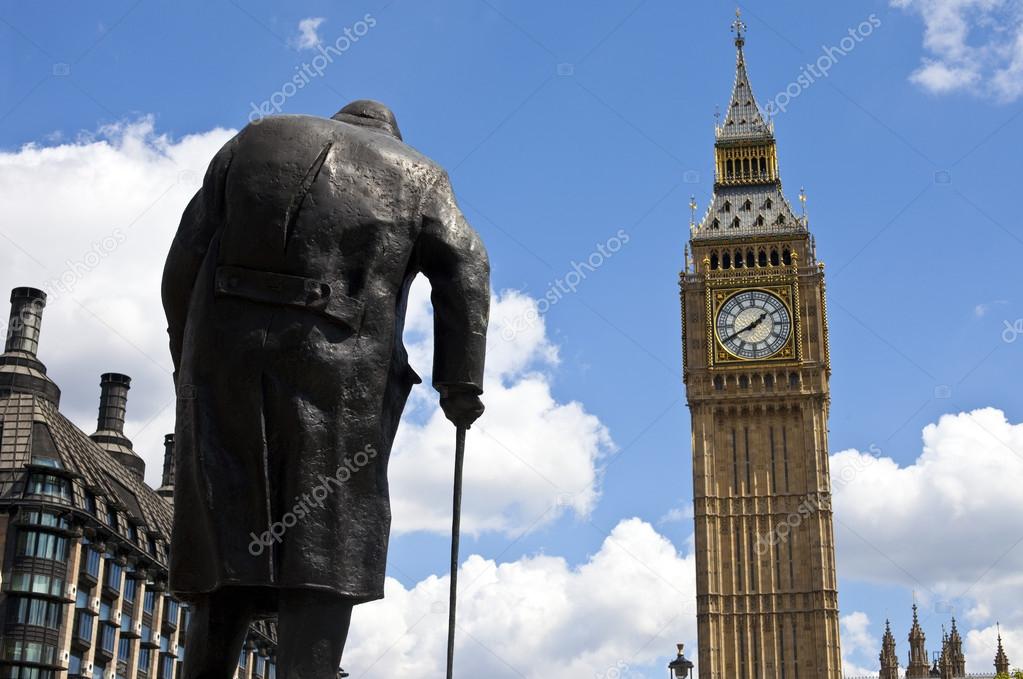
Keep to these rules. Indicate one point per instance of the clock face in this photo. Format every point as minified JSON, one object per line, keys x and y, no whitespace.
{"x":753,"y":324}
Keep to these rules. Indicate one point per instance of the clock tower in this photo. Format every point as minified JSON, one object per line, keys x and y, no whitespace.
{"x":755,"y":351}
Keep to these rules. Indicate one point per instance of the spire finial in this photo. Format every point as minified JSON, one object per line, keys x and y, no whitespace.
{"x":802,"y":200}
{"x":692,"y":210}
{"x":739,"y":28}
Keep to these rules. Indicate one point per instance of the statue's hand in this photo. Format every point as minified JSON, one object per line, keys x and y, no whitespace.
{"x":461,"y":407}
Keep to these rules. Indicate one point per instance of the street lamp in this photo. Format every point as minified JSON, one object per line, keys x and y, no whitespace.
{"x":679,"y":667}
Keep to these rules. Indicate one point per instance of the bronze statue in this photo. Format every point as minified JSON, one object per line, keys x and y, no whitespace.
{"x":285,"y":292}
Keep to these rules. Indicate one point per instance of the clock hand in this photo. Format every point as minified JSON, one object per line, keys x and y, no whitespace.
{"x":747,"y":328}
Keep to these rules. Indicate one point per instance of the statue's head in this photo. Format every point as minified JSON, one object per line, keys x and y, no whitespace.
{"x":369,"y":113}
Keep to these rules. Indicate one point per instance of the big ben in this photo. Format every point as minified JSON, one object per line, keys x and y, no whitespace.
{"x":756,"y":367}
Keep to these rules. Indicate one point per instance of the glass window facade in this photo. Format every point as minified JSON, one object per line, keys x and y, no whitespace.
{"x":49,"y":485}
{"x":37,"y":583}
{"x":42,"y":545}
{"x":18,"y":650}
{"x":37,"y":612}
{"x":90,"y":562}
{"x":83,"y":626}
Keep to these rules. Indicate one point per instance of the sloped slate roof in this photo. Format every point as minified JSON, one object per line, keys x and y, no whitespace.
{"x":769,"y":214}
{"x":34,"y":430}
{"x":743,"y":120}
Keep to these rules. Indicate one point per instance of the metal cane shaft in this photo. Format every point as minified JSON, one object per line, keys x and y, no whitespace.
{"x":456,"y":528}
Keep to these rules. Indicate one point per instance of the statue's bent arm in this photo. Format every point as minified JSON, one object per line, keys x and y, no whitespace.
{"x":452,"y":256}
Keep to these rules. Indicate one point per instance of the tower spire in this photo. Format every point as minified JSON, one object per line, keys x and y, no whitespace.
{"x":889,"y":656}
{"x":743,"y":119}
{"x":918,"y":665}
{"x":956,"y":658}
{"x":1001,"y":660}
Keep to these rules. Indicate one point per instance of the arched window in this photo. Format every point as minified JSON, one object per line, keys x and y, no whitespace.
{"x":794,"y":380}
{"x":715,"y":224}
{"x":749,"y":258}
{"x":719,"y":383}
{"x":786,"y":256}
{"x":735,"y":223}
{"x":745,"y":166}
{"x":774,"y":257}
{"x":714,"y":260}
{"x":768,"y":381}
{"x":768,"y":204}
{"x":738,"y":259}
{"x":748,"y":205}
{"x":781,"y":219}
{"x":763,"y":165}
{"x":727,"y":207}
{"x":762,"y":258}
{"x":759,"y":220}
{"x":726,"y":261}
{"x":744,"y":382}
{"x":728,"y":168}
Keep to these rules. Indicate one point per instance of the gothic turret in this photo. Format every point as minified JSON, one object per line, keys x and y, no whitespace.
{"x":889,"y":656}
{"x":956,"y":659}
{"x":918,"y":666}
{"x":943,"y":665}
{"x":1001,"y":660}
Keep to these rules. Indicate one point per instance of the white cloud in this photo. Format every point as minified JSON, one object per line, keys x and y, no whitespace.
{"x":529,"y":458}
{"x":308,"y":37}
{"x":537,"y":617}
{"x":983,"y":309}
{"x":680,"y":514}
{"x":973,"y":46}
{"x":946,"y":525}
{"x":981,"y":645}
{"x":857,"y":640}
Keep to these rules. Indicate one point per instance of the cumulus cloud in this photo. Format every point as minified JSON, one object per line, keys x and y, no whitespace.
{"x":857,"y":640}
{"x":972,"y":45}
{"x":538,"y":616}
{"x":946,"y":525}
{"x":981,"y":645}
{"x":529,"y":458}
{"x":308,"y":37}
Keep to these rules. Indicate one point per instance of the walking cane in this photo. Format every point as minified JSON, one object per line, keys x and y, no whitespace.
{"x":456,"y":528}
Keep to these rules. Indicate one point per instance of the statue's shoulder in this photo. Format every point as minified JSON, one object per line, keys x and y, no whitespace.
{"x":307,"y":130}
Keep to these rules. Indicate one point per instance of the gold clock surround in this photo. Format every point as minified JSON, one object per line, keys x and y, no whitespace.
{"x":721,"y":289}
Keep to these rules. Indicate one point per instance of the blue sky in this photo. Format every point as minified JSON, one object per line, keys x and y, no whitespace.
{"x":564,"y":123}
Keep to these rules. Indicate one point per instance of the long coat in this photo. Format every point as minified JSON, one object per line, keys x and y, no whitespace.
{"x":285,"y":292}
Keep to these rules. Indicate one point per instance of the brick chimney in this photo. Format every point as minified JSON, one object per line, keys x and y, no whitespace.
{"x":166,"y":489}
{"x":113,"y":403}
{"x":21,"y":371}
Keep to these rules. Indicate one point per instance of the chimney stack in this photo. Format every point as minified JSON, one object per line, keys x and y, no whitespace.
{"x":27,"y":306}
{"x":166,"y":489}
{"x":21,"y":371}
{"x":113,"y":403}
